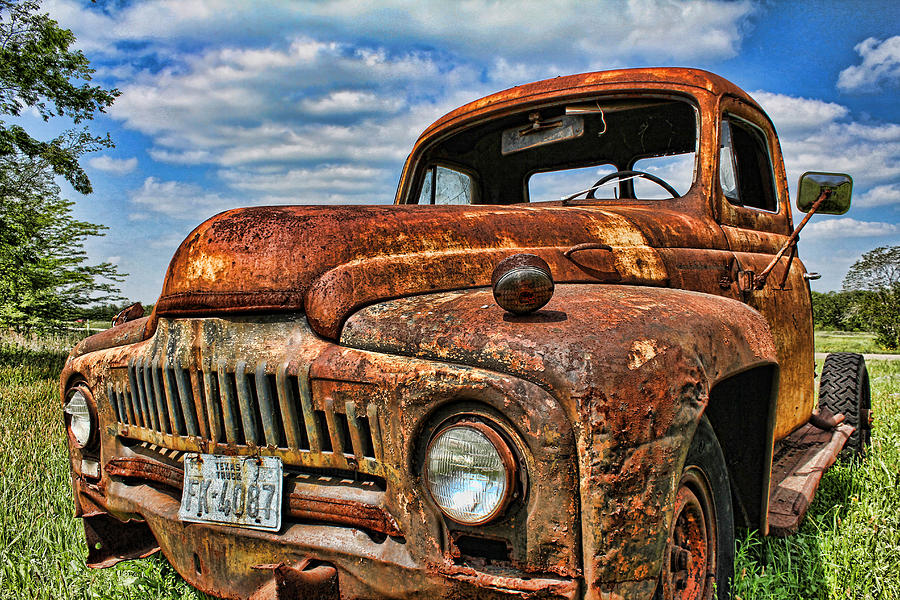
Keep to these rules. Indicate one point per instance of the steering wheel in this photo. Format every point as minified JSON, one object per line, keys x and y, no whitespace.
{"x":623,"y":174}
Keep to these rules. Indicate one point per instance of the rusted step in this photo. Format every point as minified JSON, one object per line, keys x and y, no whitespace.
{"x":797,"y":470}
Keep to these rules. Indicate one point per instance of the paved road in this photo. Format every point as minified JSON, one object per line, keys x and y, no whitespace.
{"x":822,"y":355}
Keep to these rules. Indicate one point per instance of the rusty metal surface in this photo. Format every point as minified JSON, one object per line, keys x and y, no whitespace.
{"x":110,"y":541}
{"x":300,"y":504}
{"x":631,"y":366}
{"x":290,"y":582}
{"x":259,"y":259}
{"x":129,"y":313}
{"x":797,"y":470}
{"x":120,"y":335}
{"x":585,"y":84}
{"x":146,"y":470}
{"x":225,"y":563}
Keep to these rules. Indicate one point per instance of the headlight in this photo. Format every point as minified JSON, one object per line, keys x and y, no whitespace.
{"x":522,"y":283}
{"x":470,"y":472}
{"x":81,"y":421}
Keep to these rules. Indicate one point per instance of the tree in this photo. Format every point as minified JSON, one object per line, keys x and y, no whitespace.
{"x":878,"y":271}
{"x":45,"y":280}
{"x":44,"y":275}
{"x":39,"y":71}
{"x":845,"y":310}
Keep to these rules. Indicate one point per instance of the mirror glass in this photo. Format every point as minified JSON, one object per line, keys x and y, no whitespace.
{"x":811,"y":186}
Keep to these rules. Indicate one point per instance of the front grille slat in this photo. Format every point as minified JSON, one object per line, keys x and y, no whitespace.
{"x":125,"y":398}
{"x":354,"y":426}
{"x":170,"y":388}
{"x":209,"y":404}
{"x":137,"y":395}
{"x":112,"y":400}
{"x":211,"y":389}
{"x":337,"y":444}
{"x":245,"y":402}
{"x":229,"y":406}
{"x":288,"y":405}
{"x":160,"y":395}
{"x":144,"y":378}
{"x":195,"y":381}
{"x":266,"y":406}
{"x":185,"y":397}
{"x":375,"y":429}
{"x":309,"y":417}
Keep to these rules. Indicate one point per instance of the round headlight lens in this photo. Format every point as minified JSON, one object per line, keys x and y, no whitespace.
{"x":80,"y":422}
{"x":469,"y":471}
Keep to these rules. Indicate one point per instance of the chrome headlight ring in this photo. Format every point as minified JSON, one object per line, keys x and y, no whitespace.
{"x":81,"y":415}
{"x":470,"y":472}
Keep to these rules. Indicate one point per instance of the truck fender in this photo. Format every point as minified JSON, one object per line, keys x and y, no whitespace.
{"x":634,"y":368}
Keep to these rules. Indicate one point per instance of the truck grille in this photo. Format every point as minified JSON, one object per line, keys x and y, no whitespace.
{"x":211,"y":407}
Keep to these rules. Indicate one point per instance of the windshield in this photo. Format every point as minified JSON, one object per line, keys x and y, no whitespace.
{"x":606,"y":149}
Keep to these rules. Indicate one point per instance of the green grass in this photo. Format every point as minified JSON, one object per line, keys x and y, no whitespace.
{"x":42,"y":548}
{"x":848,"y":547}
{"x":849,"y":341}
{"x":849,"y":544}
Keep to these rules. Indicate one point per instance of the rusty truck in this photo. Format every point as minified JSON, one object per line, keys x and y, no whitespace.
{"x":570,"y":359}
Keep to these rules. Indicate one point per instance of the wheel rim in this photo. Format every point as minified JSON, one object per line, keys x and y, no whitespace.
{"x":689,"y":564}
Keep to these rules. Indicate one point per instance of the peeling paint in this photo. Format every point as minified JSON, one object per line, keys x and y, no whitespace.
{"x":641,"y":352}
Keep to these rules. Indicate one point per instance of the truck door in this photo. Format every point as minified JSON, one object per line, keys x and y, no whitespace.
{"x":754,"y":212}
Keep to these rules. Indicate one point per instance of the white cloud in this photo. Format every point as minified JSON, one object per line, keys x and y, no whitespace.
{"x":327,"y":184}
{"x":352,"y":101}
{"x":178,"y":200}
{"x":818,"y":136}
{"x":881,"y":195}
{"x":880,"y":63}
{"x":288,"y":86}
{"x":847,"y":227}
{"x":116,"y":166}
{"x":311,"y":101}
{"x":343,"y":178}
{"x":525,"y":30}
{"x":791,"y":113}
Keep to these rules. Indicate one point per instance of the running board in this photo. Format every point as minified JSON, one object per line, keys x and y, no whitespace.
{"x":797,"y":469}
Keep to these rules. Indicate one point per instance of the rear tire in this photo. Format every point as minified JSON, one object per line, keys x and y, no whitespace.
{"x":699,"y":557}
{"x":844,"y":388}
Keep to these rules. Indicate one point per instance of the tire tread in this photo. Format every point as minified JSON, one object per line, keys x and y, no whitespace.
{"x":844,"y":388}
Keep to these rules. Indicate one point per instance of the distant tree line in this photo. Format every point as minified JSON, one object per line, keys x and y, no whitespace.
{"x":870,"y":300}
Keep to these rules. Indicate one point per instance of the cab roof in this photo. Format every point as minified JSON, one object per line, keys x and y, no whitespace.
{"x":585,"y":84}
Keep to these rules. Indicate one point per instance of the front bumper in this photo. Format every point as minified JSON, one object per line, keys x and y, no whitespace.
{"x":232,"y":562}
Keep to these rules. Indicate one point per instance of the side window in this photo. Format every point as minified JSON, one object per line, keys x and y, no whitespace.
{"x":442,"y":185}
{"x":745,"y":169}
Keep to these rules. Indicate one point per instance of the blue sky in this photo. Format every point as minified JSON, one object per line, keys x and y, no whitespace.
{"x":229,"y":104}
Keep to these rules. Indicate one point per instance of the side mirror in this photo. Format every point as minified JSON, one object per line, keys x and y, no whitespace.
{"x":812,"y":184}
{"x":827,"y":193}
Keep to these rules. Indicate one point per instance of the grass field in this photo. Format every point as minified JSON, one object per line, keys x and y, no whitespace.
{"x":849,"y":341}
{"x":848,"y":547}
{"x":42,"y":548}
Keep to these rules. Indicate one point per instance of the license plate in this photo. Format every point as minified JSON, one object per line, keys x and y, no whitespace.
{"x":232,"y":490}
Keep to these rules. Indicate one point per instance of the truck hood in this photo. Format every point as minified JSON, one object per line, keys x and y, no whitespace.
{"x":330,"y":261}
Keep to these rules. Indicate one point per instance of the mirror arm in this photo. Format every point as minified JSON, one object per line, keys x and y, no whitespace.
{"x":760,"y":281}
